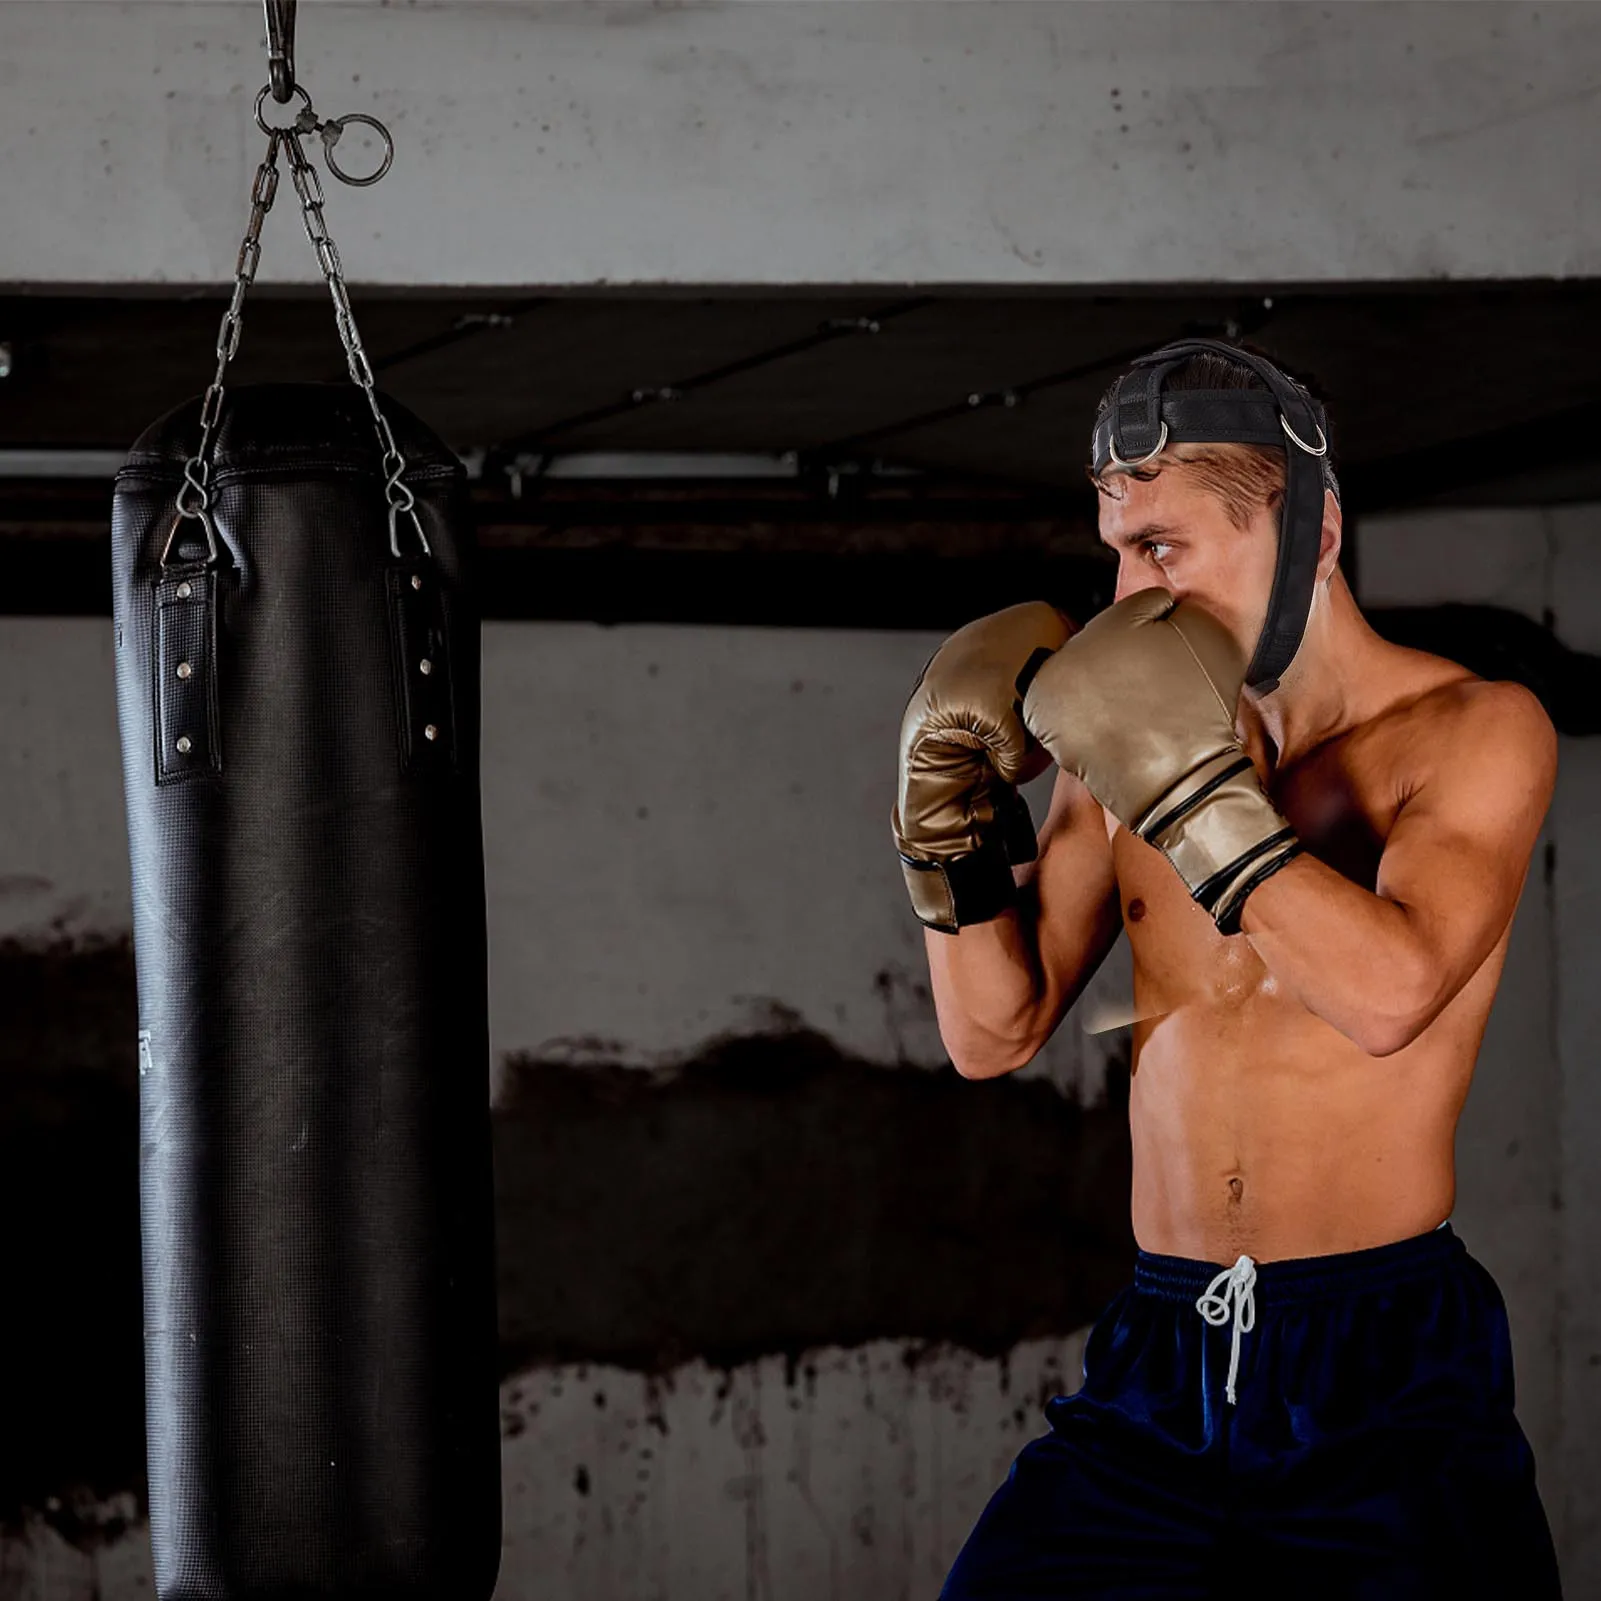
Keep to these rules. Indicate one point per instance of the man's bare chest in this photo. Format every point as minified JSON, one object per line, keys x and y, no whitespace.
{"x":1342,"y":803}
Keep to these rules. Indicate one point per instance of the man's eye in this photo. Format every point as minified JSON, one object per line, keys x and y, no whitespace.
{"x":1157,"y":548}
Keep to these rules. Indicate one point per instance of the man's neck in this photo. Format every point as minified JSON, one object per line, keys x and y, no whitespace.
{"x":1329,"y":685}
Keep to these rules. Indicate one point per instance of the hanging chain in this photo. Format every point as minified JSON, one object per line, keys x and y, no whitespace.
{"x":194,"y":494}
{"x":308,"y":186}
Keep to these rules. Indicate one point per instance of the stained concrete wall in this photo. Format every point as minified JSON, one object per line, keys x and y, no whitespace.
{"x":636,"y":781}
{"x":685,"y":828}
{"x":788,"y":142}
{"x":854,"y":1477}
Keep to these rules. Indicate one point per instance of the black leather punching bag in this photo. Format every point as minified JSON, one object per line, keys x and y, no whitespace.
{"x":300,"y":725}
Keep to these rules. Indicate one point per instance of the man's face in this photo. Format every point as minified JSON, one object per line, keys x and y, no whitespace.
{"x":1172,"y":533}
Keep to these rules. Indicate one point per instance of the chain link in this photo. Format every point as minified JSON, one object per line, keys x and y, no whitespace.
{"x":194,"y":495}
{"x":402,"y":503}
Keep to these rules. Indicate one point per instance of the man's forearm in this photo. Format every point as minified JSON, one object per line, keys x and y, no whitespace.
{"x":988,"y":993}
{"x":1353,"y":958}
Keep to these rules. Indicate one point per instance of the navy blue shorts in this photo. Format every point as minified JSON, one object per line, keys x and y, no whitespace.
{"x":1370,"y":1454}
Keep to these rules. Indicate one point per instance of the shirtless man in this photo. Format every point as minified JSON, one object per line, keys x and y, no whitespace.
{"x":1307,"y":1389}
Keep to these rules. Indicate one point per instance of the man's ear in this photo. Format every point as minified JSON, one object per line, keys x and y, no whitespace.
{"x":1331,"y":539}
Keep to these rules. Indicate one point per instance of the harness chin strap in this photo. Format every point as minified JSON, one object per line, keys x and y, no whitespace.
{"x":1143,"y":421}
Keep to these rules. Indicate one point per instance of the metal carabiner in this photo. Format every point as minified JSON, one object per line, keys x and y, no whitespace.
{"x":281,"y":48}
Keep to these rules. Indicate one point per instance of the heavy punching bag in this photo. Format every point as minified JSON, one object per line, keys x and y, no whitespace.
{"x":298,"y":693}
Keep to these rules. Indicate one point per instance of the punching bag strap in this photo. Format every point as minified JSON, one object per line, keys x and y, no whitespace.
{"x":187,"y":724}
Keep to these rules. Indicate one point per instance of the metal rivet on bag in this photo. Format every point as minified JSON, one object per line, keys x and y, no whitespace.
{"x":184,"y":670}
{"x":431,"y":731}
{"x":184,"y":591}
{"x":183,"y":745}
{"x":425,"y":666}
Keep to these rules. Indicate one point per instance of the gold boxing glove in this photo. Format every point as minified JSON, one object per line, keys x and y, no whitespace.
{"x":958,"y":822}
{"x":1140,"y":705}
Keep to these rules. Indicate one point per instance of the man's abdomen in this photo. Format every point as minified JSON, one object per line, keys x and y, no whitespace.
{"x":1274,"y":1136}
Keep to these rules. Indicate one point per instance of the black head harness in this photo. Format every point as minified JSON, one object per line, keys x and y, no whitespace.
{"x":1142,"y":421}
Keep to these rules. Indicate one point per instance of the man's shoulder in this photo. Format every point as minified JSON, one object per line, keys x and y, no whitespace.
{"x":1432,"y":720}
{"x":1481,"y":712}
{"x":1427,"y":697}
{"x":1478,"y":731}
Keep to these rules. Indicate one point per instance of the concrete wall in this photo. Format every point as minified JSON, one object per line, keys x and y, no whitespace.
{"x":789,"y":142}
{"x":734,"y":782}
{"x":666,"y":762}
{"x":856,"y":1477}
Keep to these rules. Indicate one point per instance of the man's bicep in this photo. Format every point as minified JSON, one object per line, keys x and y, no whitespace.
{"x":1456,"y":856}
{"x":1074,"y":889}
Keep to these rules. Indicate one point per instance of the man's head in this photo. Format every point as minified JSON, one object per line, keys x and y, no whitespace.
{"x":1201,"y":516}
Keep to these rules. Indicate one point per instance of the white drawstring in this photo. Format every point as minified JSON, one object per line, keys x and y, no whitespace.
{"x":1237,"y":1300}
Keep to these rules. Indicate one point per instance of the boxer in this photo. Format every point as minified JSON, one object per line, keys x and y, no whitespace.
{"x":1315,"y":841}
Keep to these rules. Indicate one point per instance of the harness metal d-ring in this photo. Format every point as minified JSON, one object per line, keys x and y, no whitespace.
{"x":1117,"y":460}
{"x":1322,"y":441}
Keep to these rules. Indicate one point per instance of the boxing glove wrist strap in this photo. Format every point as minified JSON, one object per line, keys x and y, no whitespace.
{"x":974,"y":888}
